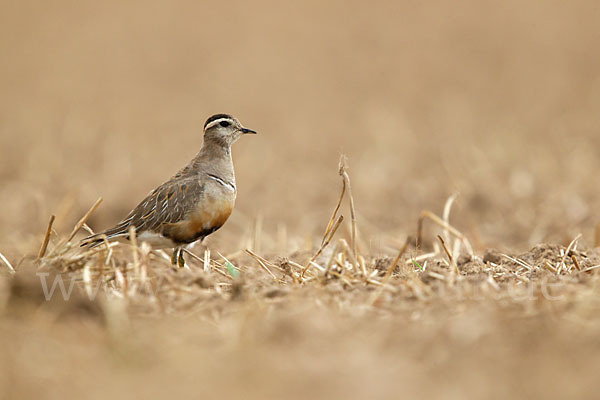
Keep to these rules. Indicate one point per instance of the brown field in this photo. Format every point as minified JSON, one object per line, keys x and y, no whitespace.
{"x":495,"y":102}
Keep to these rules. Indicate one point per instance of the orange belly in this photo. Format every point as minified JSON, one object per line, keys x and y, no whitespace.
{"x":209,"y":215}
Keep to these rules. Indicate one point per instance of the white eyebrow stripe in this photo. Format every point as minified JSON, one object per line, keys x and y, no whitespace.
{"x":228,"y":185}
{"x":218,"y":121}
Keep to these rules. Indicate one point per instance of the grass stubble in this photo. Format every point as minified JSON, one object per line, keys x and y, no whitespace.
{"x":429,"y":281}
{"x":123,"y":269}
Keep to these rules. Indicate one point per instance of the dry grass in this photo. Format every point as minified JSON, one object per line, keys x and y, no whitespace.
{"x":253,"y":306}
{"x":405,"y":289}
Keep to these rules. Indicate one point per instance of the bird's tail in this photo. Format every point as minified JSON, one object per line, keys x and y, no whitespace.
{"x":121,"y":230}
{"x":92,"y":241}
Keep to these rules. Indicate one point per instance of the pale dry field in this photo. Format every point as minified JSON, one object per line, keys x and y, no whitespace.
{"x":494,"y":101}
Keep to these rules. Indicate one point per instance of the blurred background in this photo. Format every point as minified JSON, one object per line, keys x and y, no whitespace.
{"x":497,"y":101}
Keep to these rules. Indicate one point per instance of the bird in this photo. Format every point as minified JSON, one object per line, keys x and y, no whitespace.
{"x":193,"y":203}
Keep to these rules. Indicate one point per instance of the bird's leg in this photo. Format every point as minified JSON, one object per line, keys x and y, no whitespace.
{"x":175,"y":255}
{"x":180,"y":259}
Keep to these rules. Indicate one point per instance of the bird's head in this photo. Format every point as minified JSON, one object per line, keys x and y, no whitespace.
{"x":224,"y":129}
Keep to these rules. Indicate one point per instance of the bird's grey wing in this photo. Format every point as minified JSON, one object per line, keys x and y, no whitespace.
{"x":169,"y":203}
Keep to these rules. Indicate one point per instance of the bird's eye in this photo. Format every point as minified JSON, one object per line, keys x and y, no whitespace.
{"x":224,"y":124}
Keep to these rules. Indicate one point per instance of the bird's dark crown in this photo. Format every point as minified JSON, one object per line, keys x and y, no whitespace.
{"x":216,"y":117}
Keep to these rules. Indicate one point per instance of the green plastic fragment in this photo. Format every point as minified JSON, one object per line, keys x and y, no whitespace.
{"x":231,"y":269}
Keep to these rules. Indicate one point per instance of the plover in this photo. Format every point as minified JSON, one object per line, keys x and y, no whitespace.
{"x":191,"y":205}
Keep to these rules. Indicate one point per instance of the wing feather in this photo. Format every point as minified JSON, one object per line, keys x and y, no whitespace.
{"x":170,"y":203}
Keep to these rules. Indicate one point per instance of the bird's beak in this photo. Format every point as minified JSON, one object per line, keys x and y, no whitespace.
{"x":246,"y":130}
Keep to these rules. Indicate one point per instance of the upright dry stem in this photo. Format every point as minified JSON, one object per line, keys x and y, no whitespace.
{"x":84,"y":219}
{"x":451,"y":259}
{"x":324,"y":244}
{"x":335,"y":212}
{"x":46,"y":238}
{"x":346,"y":177}
{"x":134,"y":250}
{"x":428,"y":214}
{"x":446,"y":214}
